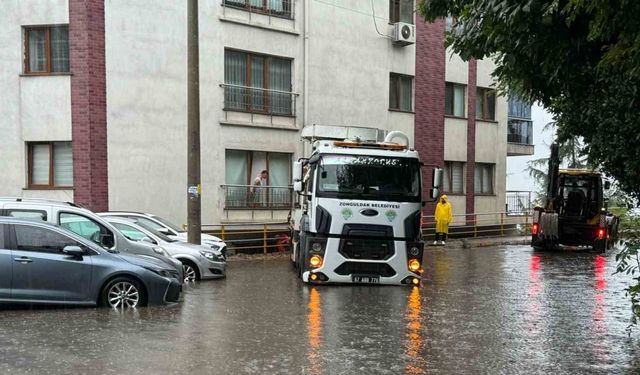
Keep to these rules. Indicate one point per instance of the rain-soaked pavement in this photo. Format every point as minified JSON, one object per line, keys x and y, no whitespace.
{"x":482,"y":311}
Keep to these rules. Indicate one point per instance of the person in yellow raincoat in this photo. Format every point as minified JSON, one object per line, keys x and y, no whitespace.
{"x":444,"y":215}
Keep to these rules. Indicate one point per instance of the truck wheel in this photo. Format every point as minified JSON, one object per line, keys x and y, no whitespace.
{"x":600,"y":246}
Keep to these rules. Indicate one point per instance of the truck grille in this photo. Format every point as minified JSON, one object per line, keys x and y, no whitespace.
{"x":360,"y":268}
{"x":370,"y":242}
{"x":366,"y":249}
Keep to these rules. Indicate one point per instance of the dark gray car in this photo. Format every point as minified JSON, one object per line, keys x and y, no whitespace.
{"x":44,"y":263}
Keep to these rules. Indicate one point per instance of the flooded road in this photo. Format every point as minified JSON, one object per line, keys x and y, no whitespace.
{"x":481,"y":311}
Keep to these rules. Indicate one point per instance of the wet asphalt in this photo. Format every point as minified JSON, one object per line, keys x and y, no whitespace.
{"x":504,"y":310}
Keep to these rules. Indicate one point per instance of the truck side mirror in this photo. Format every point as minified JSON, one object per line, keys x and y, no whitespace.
{"x":297,"y":171}
{"x":434,"y":193}
{"x":297,"y":186}
{"x":436,"y":178}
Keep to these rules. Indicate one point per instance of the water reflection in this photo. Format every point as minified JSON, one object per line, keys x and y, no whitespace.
{"x":599,"y":317}
{"x":534,"y":289}
{"x":314,"y":332}
{"x":414,"y":341}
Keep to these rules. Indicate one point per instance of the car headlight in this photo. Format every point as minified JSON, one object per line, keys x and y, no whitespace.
{"x":211,"y":256}
{"x":160,"y":251}
{"x":164,"y":273}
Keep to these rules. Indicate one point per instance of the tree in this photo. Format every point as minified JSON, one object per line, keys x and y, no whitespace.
{"x":572,"y":155}
{"x":578,"y":58}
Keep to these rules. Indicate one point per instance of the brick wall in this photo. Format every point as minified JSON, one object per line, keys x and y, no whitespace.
{"x":429,"y":99}
{"x":471,"y":138}
{"x":88,"y":103}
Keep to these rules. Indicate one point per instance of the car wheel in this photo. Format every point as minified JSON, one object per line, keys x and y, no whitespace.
{"x":123,"y":293}
{"x":191,"y":273}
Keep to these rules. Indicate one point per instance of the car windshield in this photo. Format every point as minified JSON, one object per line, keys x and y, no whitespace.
{"x":169,"y":224}
{"x":369,"y":177}
{"x":150,"y":228}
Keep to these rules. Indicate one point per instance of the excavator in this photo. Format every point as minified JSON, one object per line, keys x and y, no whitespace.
{"x":575,"y":213}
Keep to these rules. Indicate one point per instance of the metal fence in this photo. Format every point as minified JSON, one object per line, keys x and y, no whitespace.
{"x":275,"y":8}
{"x":481,"y":225}
{"x":258,"y":100}
{"x":518,"y":203}
{"x":257,"y":197}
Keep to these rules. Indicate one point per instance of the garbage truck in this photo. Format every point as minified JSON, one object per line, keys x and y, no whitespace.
{"x":358,"y":217}
{"x":575,"y":213}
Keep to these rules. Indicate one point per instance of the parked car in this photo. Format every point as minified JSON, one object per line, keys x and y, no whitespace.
{"x":44,"y":263}
{"x":166,"y":227}
{"x":84,"y":223}
{"x":198,"y":261}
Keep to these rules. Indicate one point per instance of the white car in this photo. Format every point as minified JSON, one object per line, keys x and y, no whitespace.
{"x":199,"y":261}
{"x":164,"y":226}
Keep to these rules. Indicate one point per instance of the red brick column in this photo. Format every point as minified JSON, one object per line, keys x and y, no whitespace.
{"x":429,"y":100}
{"x":88,"y":103}
{"x":471,"y":139}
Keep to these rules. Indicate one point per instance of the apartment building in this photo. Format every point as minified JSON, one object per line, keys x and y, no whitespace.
{"x":94,"y":100}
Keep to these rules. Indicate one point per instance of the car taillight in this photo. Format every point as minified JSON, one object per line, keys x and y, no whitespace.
{"x":601,"y":232}
{"x":534,"y":228}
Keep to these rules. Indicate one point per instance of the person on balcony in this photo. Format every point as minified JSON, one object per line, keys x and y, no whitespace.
{"x":257,"y":189}
{"x":443,"y":217}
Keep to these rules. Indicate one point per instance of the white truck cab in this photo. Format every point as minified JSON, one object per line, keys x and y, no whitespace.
{"x":360,"y":215}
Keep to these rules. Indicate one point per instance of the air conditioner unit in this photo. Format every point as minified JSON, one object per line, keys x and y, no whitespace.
{"x":404,"y":33}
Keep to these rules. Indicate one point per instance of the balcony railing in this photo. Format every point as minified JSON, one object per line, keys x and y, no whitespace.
{"x":518,"y":203}
{"x":520,"y":131}
{"x":258,"y":100}
{"x":257,"y":197}
{"x":275,"y":8}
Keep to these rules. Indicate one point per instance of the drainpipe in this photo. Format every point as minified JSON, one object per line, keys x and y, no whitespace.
{"x":305,"y":62}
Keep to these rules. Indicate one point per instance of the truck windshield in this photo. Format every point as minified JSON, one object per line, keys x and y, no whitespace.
{"x":369,"y":178}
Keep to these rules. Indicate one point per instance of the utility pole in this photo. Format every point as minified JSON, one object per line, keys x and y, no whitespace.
{"x":194,"y":189}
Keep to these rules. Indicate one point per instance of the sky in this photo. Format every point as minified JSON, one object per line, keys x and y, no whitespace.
{"x":517,"y":176}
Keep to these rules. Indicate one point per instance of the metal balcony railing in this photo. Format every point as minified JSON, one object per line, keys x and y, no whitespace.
{"x":258,"y":100}
{"x":275,"y":8}
{"x":257,"y":197}
{"x":518,"y":203}
{"x":520,"y":131}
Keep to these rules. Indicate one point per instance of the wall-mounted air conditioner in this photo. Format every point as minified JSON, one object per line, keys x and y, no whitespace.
{"x":404,"y":33}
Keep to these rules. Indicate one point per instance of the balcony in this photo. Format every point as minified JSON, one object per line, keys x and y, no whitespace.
{"x":520,"y":137}
{"x":274,"y":15}
{"x":254,"y":106}
{"x":246,"y":203}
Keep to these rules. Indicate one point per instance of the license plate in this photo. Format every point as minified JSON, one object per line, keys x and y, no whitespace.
{"x":365,"y":279}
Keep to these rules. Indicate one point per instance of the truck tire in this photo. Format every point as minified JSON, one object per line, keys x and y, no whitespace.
{"x":600,"y":245}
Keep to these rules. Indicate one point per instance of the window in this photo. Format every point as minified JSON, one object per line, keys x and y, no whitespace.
{"x":28,"y":214}
{"x":242,"y":169}
{"x":132,"y":233}
{"x":87,"y":228}
{"x":484,"y":178}
{"x":454,"y":99}
{"x":50,"y":165}
{"x":401,"y":11}
{"x":400,"y":92}
{"x":280,"y":8}
{"x":257,"y":83}
{"x":486,"y":104}
{"x":453,"y":177}
{"x":46,"y":49}
{"x":44,"y":240}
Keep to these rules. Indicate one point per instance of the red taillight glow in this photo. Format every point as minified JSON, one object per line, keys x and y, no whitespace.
{"x":534,"y":229}
{"x":601,"y":233}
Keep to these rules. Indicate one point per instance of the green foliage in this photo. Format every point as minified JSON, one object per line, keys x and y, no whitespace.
{"x":578,"y":58}
{"x":629,"y":264}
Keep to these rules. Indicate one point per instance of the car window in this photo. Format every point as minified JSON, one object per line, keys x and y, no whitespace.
{"x":87,"y":228}
{"x":130,"y":232}
{"x":28,"y":214}
{"x":1,"y":236}
{"x":43,"y":240}
{"x":149,"y":224}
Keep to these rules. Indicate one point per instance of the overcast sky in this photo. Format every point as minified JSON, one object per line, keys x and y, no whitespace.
{"x":517,"y":177}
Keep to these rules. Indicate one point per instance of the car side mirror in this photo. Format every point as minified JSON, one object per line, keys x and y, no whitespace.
{"x":148,"y":240}
{"x":74,"y":251}
{"x":165,"y":231}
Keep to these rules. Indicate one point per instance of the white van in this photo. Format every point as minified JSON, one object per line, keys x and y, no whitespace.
{"x":84,"y":223}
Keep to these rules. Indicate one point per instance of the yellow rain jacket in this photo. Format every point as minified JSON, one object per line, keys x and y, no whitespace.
{"x":443,"y":215}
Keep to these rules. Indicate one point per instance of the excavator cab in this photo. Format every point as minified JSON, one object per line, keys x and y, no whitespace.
{"x":579,"y":196}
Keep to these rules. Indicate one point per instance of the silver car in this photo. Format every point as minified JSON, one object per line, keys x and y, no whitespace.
{"x":164,"y":226}
{"x":199,"y":261}
{"x":45,"y":263}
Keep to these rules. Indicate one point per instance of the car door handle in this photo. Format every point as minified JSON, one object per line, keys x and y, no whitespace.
{"x":23,"y":260}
